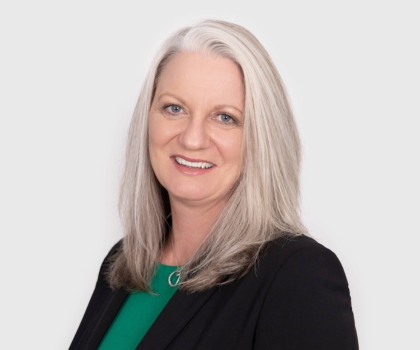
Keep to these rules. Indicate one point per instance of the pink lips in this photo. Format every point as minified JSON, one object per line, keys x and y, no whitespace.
{"x":189,"y":170}
{"x":191,"y":159}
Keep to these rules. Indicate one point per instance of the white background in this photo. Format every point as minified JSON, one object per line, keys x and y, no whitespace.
{"x":70,"y":74}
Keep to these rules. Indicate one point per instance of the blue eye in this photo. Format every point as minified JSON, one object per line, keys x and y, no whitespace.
{"x":226,"y":119}
{"x":174,"y":109}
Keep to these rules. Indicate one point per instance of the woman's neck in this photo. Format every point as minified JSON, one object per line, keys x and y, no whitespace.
{"x":190,"y":226}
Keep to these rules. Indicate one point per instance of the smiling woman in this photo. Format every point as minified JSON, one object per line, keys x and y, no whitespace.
{"x":214,"y":254}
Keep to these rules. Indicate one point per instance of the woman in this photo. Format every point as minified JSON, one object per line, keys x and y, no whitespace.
{"x":214,"y":255}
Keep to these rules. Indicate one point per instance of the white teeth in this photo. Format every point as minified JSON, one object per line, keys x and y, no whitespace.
{"x":201,"y":165}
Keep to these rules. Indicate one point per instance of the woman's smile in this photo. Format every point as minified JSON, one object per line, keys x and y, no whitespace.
{"x":193,"y":164}
{"x":192,"y":167}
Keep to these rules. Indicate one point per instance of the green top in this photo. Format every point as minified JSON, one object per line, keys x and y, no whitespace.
{"x":138,"y":313}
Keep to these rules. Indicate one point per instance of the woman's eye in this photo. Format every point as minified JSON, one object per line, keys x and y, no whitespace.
{"x":226,"y":119}
{"x":173,"y":109}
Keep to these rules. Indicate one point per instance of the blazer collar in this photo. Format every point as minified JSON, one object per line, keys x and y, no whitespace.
{"x":173,"y":318}
{"x":180,"y":309}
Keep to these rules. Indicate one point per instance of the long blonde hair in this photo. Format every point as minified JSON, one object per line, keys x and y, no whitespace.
{"x":264,"y":203}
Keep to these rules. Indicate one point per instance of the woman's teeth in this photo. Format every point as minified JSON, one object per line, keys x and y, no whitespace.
{"x":201,"y":165}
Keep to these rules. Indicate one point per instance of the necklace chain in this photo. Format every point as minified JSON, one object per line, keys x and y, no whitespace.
{"x":177,"y":273}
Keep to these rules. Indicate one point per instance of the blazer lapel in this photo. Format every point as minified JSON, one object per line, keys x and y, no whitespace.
{"x":103,"y":319}
{"x":173,"y":318}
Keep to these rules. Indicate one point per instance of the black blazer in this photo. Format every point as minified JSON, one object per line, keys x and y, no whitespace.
{"x":297,"y":297}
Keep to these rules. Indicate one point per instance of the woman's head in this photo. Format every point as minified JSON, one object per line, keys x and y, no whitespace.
{"x":271,"y":144}
{"x":263,"y":202}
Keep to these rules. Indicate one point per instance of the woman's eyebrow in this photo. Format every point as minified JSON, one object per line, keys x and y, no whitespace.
{"x":229,"y":106}
{"x":167,"y":94}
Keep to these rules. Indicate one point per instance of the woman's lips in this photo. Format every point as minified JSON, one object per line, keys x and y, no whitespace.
{"x":193,"y":164}
{"x":190,"y":166}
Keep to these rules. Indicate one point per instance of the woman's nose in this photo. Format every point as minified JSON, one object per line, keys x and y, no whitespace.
{"x":195,"y":135}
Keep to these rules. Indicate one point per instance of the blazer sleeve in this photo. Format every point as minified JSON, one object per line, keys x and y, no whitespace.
{"x":308,"y":305}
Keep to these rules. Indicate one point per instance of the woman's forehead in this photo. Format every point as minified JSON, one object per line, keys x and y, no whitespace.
{"x":201,"y":76}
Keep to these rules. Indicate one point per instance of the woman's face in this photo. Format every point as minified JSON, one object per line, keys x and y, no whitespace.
{"x":195,"y":128}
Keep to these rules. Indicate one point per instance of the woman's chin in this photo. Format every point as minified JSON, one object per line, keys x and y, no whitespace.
{"x":194,"y":195}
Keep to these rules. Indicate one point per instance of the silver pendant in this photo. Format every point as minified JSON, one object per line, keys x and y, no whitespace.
{"x":177,"y":274}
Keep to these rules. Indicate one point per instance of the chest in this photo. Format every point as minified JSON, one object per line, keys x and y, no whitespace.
{"x":227,"y":318}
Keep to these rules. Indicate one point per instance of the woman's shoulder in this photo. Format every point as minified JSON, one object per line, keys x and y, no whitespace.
{"x":292,"y":243}
{"x":300,"y":249}
{"x":107,"y":262}
{"x":303,"y":260}
{"x":115,"y":248}
{"x":309,"y":289}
